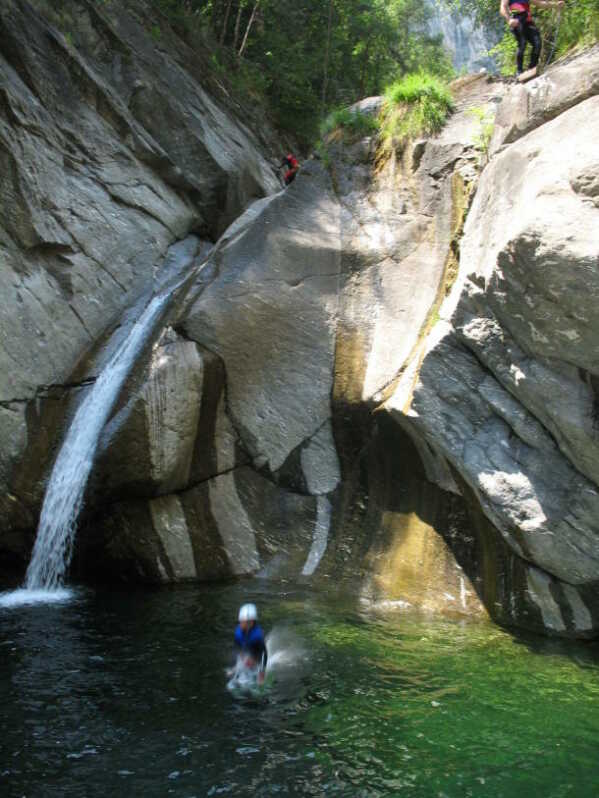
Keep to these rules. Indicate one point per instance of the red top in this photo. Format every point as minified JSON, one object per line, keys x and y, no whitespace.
{"x":520,"y":7}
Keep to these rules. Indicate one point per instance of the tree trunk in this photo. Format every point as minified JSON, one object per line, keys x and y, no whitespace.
{"x":214,"y":16}
{"x":237,"y":25}
{"x":223,"y":32}
{"x":325,"y":77}
{"x":247,"y":30}
{"x":364,"y":64}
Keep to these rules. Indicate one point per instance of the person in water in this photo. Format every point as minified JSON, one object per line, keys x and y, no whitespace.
{"x":249,"y":640}
{"x":292,"y":164}
{"x":518,"y":16}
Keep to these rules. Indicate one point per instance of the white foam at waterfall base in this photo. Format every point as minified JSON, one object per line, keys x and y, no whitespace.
{"x":23,"y":596}
{"x":64,"y":494}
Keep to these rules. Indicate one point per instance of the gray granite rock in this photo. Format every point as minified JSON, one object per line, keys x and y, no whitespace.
{"x":503,"y":388}
{"x":270,"y":315}
{"x":528,"y":106}
{"x":110,"y":149}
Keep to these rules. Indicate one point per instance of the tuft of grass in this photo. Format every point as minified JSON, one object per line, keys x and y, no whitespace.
{"x":420,"y":86}
{"x":417,"y":105}
{"x":322,"y":152}
{"x":484,"y":132}
{"x":349,"y":124}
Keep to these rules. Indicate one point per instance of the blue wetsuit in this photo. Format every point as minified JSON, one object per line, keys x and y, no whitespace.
{"x":252,"y":643}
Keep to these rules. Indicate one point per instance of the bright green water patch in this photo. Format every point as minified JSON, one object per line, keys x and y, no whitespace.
{"x":124,"y":694}
{"x":454,"y":710}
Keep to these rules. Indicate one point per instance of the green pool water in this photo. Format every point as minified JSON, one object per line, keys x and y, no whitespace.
{"x":123,"y":694}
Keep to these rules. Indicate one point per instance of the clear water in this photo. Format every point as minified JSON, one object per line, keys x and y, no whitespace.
{"x":121,"y":694}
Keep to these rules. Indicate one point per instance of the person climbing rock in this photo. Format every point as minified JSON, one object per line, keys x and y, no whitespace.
{"x":519,"y":18}
{"x":292,"y":164}
{"x":249,"y":639}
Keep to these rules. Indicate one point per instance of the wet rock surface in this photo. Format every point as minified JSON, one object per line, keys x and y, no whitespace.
{"x":111,"y":149}
{"x":305,"y":317}
{"x":505,"y":390}
{"x":350,"y":383}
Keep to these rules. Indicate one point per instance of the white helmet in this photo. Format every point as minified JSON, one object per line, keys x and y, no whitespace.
{"x":248,"y":613}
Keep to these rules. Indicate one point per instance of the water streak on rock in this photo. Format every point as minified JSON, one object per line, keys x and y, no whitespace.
{"x":321,"y":536}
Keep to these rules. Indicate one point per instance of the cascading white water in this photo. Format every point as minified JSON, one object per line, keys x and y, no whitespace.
{"x":64,"y":494}
{"x":467,"y":42}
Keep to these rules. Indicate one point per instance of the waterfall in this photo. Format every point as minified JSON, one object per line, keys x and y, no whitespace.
{"x":467,"y":43}
{"x":64,"y":494}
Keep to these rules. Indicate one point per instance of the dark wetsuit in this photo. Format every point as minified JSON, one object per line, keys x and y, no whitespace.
{"x":526,"y":32}
{"x":252,"y":643}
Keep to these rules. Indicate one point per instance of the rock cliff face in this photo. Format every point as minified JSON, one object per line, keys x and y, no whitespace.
{"x":110,"y":150}
{"x":506,"y":388}
{"x":351,"y":383}
{"x":317,"y":298}
{"x":467,"y":43}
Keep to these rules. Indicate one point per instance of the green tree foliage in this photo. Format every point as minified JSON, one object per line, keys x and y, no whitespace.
{"x":577,"y":24}
{"x":309,"y":56}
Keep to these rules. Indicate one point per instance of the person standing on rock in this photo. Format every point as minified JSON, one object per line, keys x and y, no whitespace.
{"x":292,"y":164}
{"x":518,"y":16}
{"x":249,"y":639}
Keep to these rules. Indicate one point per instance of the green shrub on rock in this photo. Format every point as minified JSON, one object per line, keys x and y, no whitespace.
{"x":417,"y":105}
{"x":353,"y":124}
